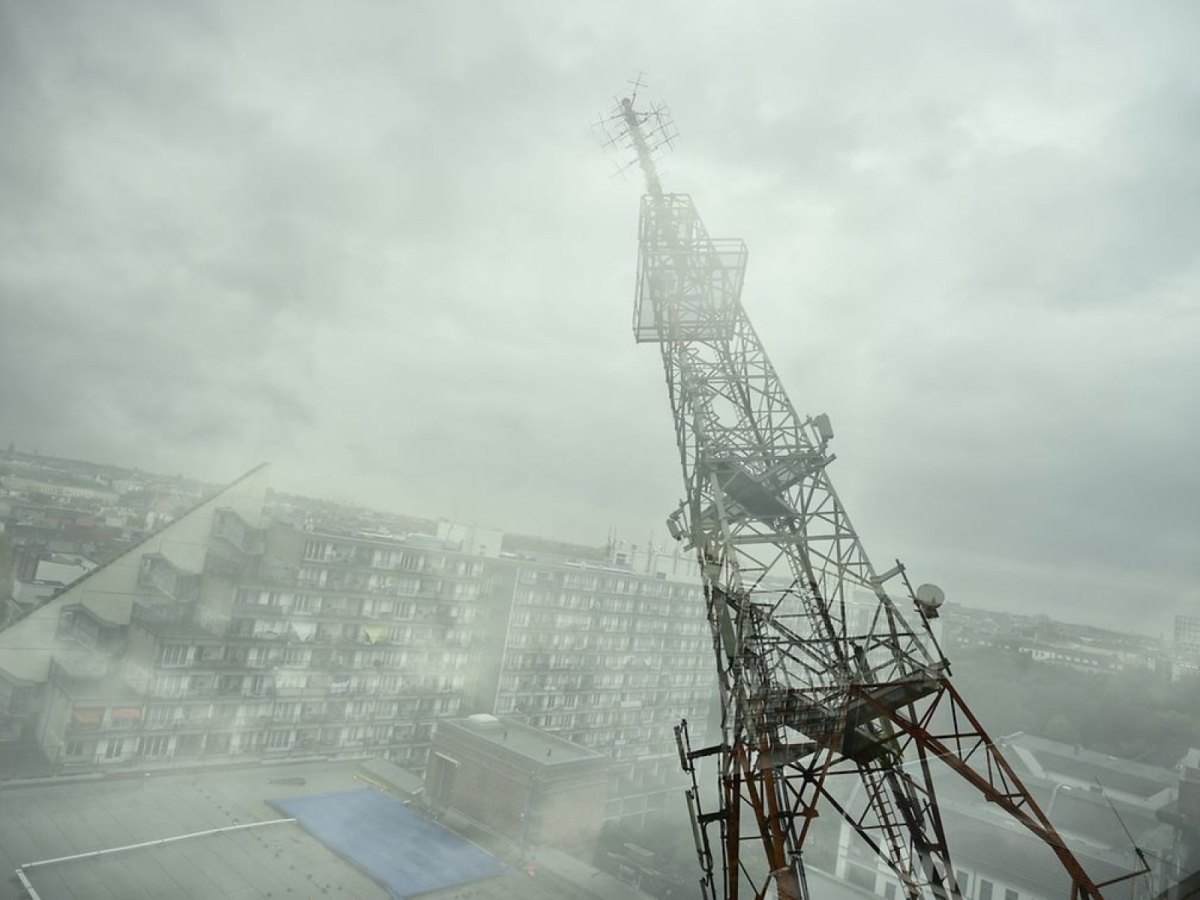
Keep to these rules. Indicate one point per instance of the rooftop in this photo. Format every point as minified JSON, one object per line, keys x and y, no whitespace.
{"x":50,"y":821}
{"x":177,"y":630}
{"x":1009,"y":852}
{"x":517,"y":737}
{"x":109,"y":687}
{"x":1081,"y":764}
{"x":47,"y":820}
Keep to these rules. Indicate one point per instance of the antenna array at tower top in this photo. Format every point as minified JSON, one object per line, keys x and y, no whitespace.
{"x":645,"y":130}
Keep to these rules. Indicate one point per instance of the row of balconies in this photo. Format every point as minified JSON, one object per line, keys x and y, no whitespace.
{"x":606,"y":678}
{"x":557,"y":683}
{"x":158,"y":572}
{"x":581,"y":645}
{"x":305,"y":738}
{"x":412,"y":707}
{"x":317,"y":640}
{"x":309,"y":720}
{"x":421,"y":607}
{"x":628,"y":628}
{"x":350,"y":562}
{"x":434,"y":618}
{"x":269,"y":693}
{"x":401,"y":716}
{"x":647,"y":714}
{"x":86,"y":729}
{"x":620,"y":604}
{"x":625,"y":625}
{"x":447,"y":660}
{"x":446,"y":587}
{"x":230,"y":526}
{"x":592,"y":666}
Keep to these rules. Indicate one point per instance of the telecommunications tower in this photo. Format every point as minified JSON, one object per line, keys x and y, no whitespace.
{"x":817,"y":684}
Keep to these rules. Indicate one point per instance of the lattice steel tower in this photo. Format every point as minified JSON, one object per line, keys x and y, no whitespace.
{"x":822,"y":677}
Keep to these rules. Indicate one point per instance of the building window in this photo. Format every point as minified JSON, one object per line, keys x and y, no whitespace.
{"x":114,"y":749}
{"x":218,"y":743}
{"x":1010,"y":894}
{"x":960,"y":878}
{"x":174,"y":655}
{"x":860,"y":876}
{"x":153,"y":746}
{"x":985,"y":889}
{"x":73,"y":748}
{"x":294,"y":656}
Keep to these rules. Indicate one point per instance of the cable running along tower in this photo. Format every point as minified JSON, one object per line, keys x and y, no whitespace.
{"x":823,"y":678}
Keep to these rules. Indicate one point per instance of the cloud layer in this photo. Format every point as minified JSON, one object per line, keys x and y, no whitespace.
{"x":378,"y":245}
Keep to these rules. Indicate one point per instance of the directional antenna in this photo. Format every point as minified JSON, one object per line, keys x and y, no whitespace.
{"x":641,"y":131}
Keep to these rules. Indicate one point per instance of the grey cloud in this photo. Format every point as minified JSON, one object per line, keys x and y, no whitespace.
{"x":381,"y":247}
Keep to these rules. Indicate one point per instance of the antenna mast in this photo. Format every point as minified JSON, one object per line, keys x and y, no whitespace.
{"x":822,"y":678}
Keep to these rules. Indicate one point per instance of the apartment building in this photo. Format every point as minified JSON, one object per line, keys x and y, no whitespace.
{"x":518,"y":781}
{"x":1101,"y":805}
{"x":49,"y":657}
{"x":364,"y":638}
{"x":225,"y":635}
{"x":602,"y":656}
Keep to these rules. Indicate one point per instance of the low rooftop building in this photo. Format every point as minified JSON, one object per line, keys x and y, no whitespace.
{"x":520,"y":782}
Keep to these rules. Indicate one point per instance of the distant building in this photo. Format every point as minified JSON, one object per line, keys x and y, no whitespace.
{"x":358,"y":641}
{"x":1187,"y":633}
{"x":1084,"y":648}
{"x":38,"y":574}
{"x":81,"y":633}
{"x":602,"y":656}
{"x":518,"y":781}
{"x":230,"y":638}
{"x":1185,"y":660}
{"x":60,"y":487}
{"x":240,"y":631}
{"x":1090,"y":797}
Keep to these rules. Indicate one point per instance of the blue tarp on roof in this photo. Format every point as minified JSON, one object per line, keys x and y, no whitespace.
{"x":403,"y":852}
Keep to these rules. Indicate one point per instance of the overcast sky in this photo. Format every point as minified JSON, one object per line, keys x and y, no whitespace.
{"x":378,"y":245}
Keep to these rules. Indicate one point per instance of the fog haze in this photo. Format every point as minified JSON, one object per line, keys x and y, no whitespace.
{"x":379,"y":245}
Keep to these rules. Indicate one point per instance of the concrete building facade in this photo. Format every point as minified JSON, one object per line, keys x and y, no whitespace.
{"x":1097,"y":802}
{"x":602,"y":656}
{"x":227,"y":635}
{"x":221,"y":636}
{"x":521,"y":782}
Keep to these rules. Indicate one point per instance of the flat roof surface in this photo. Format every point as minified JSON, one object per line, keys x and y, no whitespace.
{"x":49,"y":820}
{"x":409,"y":855}
{"x":532,"y":743}
{"x":171,"y":630}
{"x":110,"y":687}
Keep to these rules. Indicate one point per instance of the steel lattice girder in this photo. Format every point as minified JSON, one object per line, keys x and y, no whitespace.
{"x":810,"y":689}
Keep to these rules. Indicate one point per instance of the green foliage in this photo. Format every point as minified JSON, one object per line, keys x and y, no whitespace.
{"x":1136,"y":715}
{"x":6,"y":556}
{"x":667,"y":834}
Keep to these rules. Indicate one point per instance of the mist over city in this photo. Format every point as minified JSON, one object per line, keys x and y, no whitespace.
{"x":344,"y":539}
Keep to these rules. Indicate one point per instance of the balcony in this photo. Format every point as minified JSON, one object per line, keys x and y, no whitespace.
{"x":199,"y":723}
{"x":160,"y":573}
{"x":276,"y":572}
{"x":231,"y":527}
{"x":225,"y":563}
{"x":292,"y":693}
{"x":222,"y":663}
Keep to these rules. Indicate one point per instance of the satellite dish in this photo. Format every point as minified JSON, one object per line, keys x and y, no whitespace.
{"x":930,"y":596}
